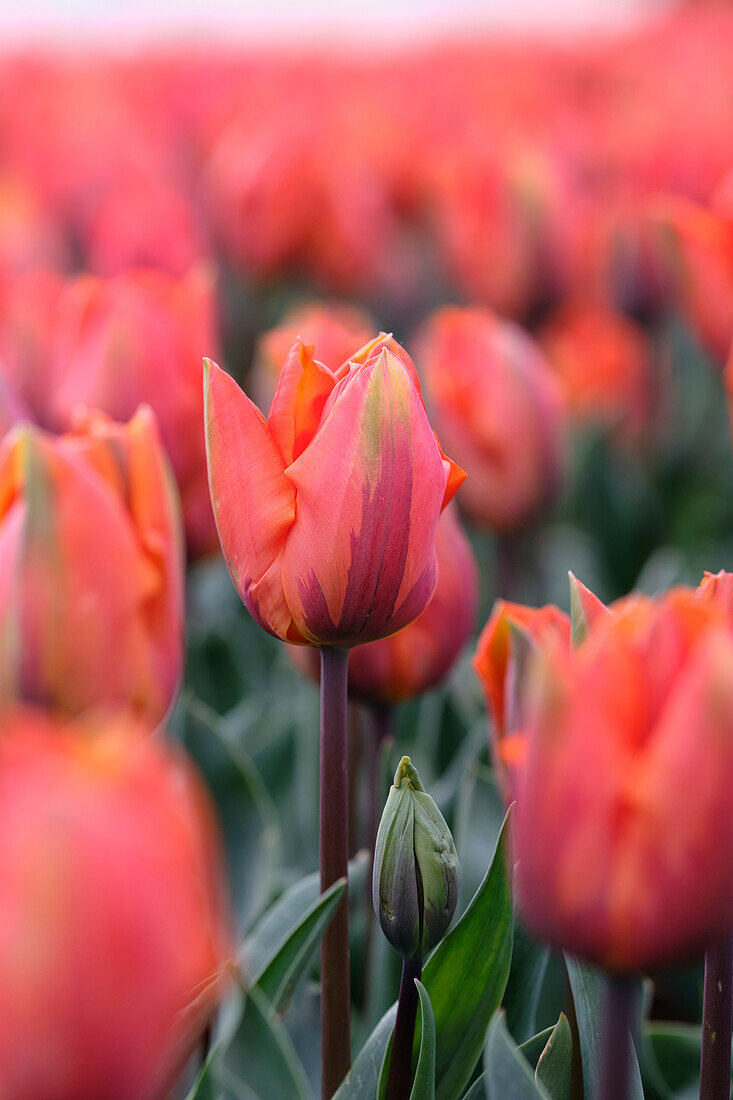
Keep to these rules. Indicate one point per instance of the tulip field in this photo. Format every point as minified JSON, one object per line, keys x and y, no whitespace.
{"x":366,"y":568}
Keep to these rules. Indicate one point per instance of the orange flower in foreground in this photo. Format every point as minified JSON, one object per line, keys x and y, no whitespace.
{"x":327,"y":510}
{"x":141,"y":337}
{"x":625,"y":821}
{"x":91,"y":587}
{"x":411,"y":662}
{"x":113,"y":916}
{"x":497,"y":406}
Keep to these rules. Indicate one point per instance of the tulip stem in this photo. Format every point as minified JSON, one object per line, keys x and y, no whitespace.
{"x":334,"y":853}
{"x":400,"y":1066}
{"x":717,"y":1017}
{"x":619,"y":1017}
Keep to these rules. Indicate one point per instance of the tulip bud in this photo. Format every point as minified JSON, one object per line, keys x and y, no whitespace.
{"x":416,"y":870}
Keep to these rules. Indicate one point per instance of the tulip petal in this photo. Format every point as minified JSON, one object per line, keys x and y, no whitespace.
{"x":302,"y":389}
{"x":360,"y":561}
{"x":254,"y":503}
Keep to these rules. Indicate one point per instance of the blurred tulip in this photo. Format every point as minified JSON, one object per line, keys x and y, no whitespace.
{"x":29,"y":236}
{"x":625,"y":822}
{"x":416,"y":659}
{"x":502,"y":659}
{"x":718,"y":588}
{"x":335,"y":329}
{"x":497,"y":406}
{"x":143,"y":226}
{"x":28,"y":318}
{"x":602,"y":360}
{"x":327,"y":510}
{"x":697,"y":244}
{"x":91,"y":586}
{"x":115,"y":931}
{"x":141,"y":337}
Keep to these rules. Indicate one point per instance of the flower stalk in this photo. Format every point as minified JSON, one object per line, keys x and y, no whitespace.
{"x":717,"y":1017}
{"x":334,"y":859}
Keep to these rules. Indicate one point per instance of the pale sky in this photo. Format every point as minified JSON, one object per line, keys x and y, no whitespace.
{"x":68,"y":20}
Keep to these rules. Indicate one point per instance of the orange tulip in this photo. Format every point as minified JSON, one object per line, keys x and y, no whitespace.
{"x":91,"y":590}
{"x":140,"y":337}
{"x":697,"y":243}
{"x":335,"y":329}
{"x":327,"y":510}
{"x":497,"y":406}
{"x":113,"y":914}
{"x":625,"y":821}
{"x":416,"y":659}
{"x":602,"y":360}
{"x":501,"y":662}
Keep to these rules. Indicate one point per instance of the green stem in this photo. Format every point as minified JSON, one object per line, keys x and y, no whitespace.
{"x":334,"y":855}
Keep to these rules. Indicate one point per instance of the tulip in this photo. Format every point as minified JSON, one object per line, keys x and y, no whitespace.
{"x":698,"y":248}
{"x":28,"y":317}
{"x":335,"y":329}
{"x":327,"y":510}
{"x":115,"y":931}
{"x":91,"y":588}
{"x":498,"y":408}
{"x":501,"y":662}
{"x":137,"y":338}
{"x":621,"y":858}
{"x":602,"y":360}
{"x":407,"y":664}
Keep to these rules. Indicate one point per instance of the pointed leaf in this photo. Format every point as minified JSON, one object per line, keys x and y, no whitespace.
{"x":555,"y":1068}
{"x":279,"y":978}
{"x":423,"y":1087}
{"x":479,"y":1089}
{"x":532,"y":1049}
{"x":507,"y":1071}
{"x":474,"y":958}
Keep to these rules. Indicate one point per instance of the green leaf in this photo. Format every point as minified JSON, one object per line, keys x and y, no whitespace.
{"x":260,"y":1061}
{"x":532,"y":1049}
{"x":286,"y":916}
{"x":423,"y":1087}
{"x":508,"y":1073}
{"x":529,"y":965}
{"x":555,"y":1068}
{"x":204,"y":1087}
{"x":280,"y":976}
{"x":467,"y":973}
{"x":587,"y":985}
{"x":362,"y":1079}
{"x":478,"y":1090}
{"x":676,"y":1049}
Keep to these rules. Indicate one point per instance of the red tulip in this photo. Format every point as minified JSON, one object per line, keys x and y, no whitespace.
{"x":327,"y":510}
{"x":419,"y":657}
{"x":625,"y":821}
{"x":602,"y":360}
{"x":113,"y":915}
{"x":140,"y":337}
{"x":91,"y":589}
{"x":497,"y":406}
{"x":28,"y":318}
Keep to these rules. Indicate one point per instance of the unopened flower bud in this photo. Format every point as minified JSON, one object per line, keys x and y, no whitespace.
{"x":416,"y":870}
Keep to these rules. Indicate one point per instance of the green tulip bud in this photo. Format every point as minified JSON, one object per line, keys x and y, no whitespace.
{"x":416,"y":870}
